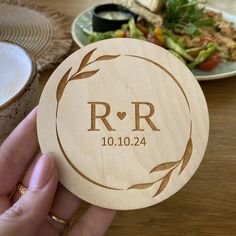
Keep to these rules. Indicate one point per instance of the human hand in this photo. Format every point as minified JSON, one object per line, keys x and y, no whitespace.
{"x":28,"y":215}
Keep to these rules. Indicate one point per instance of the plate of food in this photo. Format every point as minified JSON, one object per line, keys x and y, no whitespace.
{"x":202,"y":37}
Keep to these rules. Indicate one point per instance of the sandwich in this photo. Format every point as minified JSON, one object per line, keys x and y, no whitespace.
{"x":152,"y":5}
{"x":140,"y":10}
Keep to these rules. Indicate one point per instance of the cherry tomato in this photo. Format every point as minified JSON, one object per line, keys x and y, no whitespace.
{"x":210,"y":63}
{"x":195,"y":53}
{"x":207,"y":39}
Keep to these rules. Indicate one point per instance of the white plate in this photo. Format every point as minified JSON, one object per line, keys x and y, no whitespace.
{"x":226,"y":69}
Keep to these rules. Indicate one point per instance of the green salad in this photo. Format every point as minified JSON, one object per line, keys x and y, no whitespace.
{"x":198,"y":37}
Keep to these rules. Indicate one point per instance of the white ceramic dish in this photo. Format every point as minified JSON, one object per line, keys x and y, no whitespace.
{"x":83,"y":22}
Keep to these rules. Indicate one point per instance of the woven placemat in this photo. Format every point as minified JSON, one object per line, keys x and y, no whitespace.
{"x":44,"y":33}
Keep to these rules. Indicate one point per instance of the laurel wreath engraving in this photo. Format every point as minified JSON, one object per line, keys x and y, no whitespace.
{"x":78,"y":75}
{"x":170,"y":166}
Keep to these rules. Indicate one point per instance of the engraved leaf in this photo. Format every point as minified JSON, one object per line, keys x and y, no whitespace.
{"x":164,"y":166}
{"x":141,"y":186}
{"x":62,"y":85}
{"x":107,"y":57}
{"x":187,"y":155}
{"x":164,"y":183}
{"x":84,"y":75}
{"x":85,"y":60}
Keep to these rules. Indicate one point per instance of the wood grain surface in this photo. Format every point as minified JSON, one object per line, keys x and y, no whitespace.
{"x":207,"y":205}
{"x":145,"y":144}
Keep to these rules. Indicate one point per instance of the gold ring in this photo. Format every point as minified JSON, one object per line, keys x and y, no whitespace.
{"x":20,"y":189}
{"x":58,"y":220}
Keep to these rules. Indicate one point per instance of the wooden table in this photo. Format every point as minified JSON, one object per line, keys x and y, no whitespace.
{"x":207,"y":204}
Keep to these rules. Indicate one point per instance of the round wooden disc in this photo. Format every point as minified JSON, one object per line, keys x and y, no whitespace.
{"x":127,"y":123}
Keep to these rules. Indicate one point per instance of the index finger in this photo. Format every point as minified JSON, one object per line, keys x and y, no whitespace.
{"x":16,"y":152}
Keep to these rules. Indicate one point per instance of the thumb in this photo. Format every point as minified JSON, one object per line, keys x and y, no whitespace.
{"x":29,"y":212}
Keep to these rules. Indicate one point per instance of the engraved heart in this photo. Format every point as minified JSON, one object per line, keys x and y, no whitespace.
{"x":121,"y":115}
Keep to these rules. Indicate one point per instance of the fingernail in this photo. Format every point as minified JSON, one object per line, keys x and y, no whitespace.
{"x":42,"y":172}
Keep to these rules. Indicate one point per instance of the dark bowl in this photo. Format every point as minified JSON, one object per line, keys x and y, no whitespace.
{"x":101,"y":24}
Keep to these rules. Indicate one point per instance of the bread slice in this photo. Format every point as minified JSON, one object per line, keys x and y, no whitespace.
{"x":152,"y":5}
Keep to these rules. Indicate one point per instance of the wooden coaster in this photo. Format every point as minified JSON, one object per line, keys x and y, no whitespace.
{"x":127,"y":123}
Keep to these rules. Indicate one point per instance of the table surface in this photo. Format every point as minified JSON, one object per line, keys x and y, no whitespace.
{"x":207,"y":204}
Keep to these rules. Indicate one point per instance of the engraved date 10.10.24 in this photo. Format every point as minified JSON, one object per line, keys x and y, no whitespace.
{"x":123,"y":141}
